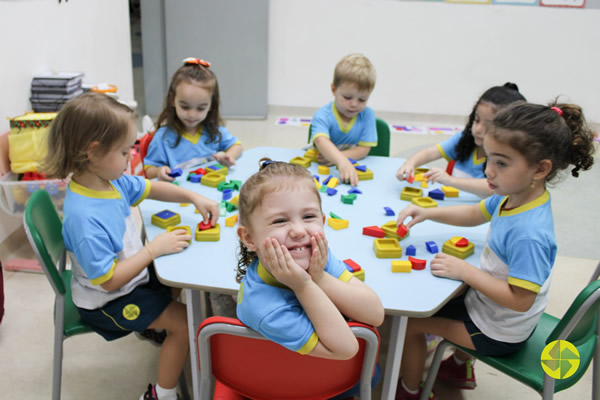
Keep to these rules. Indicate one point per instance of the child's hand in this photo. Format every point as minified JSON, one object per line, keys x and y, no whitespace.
{"x":224,"y":159}
{"x":347,"y":172}
{"x":207,"y":207}
{"x":418,"y":214}
{"x":447,"y":266}
{"x":318,"y":260}
{"x":437,"y":175}
{"x":282,"y":266}
{"x":163,"y":174}
{"x":405,"y":172}
{"x":169,"y":242}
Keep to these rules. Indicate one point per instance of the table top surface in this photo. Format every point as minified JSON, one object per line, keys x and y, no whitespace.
{"x":211,"y":265}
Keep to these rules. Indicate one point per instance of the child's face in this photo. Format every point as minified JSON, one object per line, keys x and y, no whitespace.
{"x":112,"y":165}
{"x":484,"y":114}
{"x":192,"y":103}
{"x":291,"y":215}
{"x":349,"y":101}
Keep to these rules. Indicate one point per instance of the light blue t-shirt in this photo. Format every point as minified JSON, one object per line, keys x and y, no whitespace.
{"x":472,"y":166}
{"x":361,"y":130}
{"x":269,"y":307}
{"x":161,"y":151}
{"x":98,"y":231}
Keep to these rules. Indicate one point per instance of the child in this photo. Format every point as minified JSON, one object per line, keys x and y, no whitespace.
{"x":466,"y":147}
{"x":346,"y":127}
{"x":527,"y":146}
{"x":114,"y":285}
{"x":292,"y":289}
{"x":190,"y":127}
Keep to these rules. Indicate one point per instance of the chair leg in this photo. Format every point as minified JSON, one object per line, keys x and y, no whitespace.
{"x":433,"y":370}
{"x":59,"y":321}
{"x":548,"y":389}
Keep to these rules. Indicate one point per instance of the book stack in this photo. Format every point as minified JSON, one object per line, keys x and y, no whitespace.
{"x":50,"y":91}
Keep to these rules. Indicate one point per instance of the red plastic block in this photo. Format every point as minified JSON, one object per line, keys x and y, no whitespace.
{"x":353,"y":266}
{"x":204,"y":226}
{"x":462,"y":243}
{"x":411,"y":179}
{"x":374,"y":231}
{"x":199,"y":171}
{"x":402,"y":230}
{"x":417,"y":264}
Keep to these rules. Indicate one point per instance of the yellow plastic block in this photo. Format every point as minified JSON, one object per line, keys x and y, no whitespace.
{"x":387,"y":248}
{"x":449,"y":191}
{"x":184,"y":227}
{"x":303,"y":162}
{"x":401,"y":266}
{"x":209,"y":235}
{"x":230,"y":221}
{"x":408,"y":193}
{"x":364,"y":176}
{"x":418,"y":177}
{"x":311,"y":154}
{"x":421,"y":170}
{"x":317,"y":184}
{"x":425,"y":202}
{"x":212,"y":179}
{"x":450,"y":247}
{"x":235,"y":201}
{"x":323,"y":169}
{"x":424,"y":184}
{"x":360,"y":274}
{"x":390,"y":228}
{"x":333,"y":182}
{"x":338,"y":224}
{"x":221,"y":169}
{"x":165,"y":218}
{"x":184,"y":204}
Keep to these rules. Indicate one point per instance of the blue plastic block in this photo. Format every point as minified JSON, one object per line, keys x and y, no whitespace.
{"x":389,"y":211}
{"x":316,"y":177}
{"x":195,"y":178}
{"x":431,"y":247}
{"x":331,"y":191}
{"x":411,"y":250}
{"x":352,"y":160}
{"x":227,"y":194}
{"x":326,"y":180}
{"x":436,"y":194}
{"x":354,"y":190}
{"x":175,"y":172}
{"x":362,"y":168}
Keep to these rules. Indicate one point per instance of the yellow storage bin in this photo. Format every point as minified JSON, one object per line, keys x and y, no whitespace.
{"x":27,"y":141}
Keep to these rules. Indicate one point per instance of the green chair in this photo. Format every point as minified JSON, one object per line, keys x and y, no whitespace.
{"x":579,"y":326}
{"x":383,"y":139}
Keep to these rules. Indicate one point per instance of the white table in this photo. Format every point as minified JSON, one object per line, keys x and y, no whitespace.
{"x":211,"y":266}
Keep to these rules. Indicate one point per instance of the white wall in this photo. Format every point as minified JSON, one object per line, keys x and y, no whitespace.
{"x":431,"y":57}
{"x":77,"y":35}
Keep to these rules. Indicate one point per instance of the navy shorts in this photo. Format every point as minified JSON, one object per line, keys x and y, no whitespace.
{"x":132,"y":312}
{"x":456,"y":310}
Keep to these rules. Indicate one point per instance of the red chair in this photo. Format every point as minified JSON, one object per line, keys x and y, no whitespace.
{"x":247,"y":365}
{"x":144,"y":144}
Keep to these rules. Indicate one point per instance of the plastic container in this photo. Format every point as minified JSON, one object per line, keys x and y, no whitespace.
{"x":14,"y":194}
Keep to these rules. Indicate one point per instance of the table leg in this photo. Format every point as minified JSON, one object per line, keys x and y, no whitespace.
{"x":394,"y":356}
{"x":194,"y":314}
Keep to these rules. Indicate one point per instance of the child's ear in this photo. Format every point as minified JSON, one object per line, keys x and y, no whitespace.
{"x":324,"y":218}
{"x":93,"y":150}
{"x":332,"y":89}
{"x":246,"y":238}
{"x":544,"y":167}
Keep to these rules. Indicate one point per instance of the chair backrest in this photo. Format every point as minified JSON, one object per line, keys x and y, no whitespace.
{"x":258,"y":368}
{"x":44,"y":230}
{"x":383,"y":139}
{"x":144,"y":144}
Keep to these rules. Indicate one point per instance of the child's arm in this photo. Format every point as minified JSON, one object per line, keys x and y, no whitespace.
{"x":333,"y":154}
{"x":227,"y":158}
{"x":463,"y":215}
{"x":162,"y":173}
{"x":419,"y":158}
{"x":357,"y":152}
{"x":498,"y":290}
{"x":172,"y":193}
{"x":336,"y":340}
{"x":477,"y":186}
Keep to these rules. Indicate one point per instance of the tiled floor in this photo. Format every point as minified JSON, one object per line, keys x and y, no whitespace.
{"x":95,"y":369}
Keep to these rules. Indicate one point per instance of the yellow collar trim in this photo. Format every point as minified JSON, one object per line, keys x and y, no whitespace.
{"x":267,"y":277}
{"x":345,"y":128}
{"x":478,"y":161}
{"x":95,"y":194}
{"x":194,"y":138}
{"x":525,"y":207}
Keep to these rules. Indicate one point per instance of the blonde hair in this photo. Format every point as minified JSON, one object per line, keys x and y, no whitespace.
{"x":355,"y":69}
{"x":272,"y":176}
{"x":91,"y":117}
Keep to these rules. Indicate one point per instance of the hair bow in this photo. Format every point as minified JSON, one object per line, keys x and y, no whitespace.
{"x":196,"y":61}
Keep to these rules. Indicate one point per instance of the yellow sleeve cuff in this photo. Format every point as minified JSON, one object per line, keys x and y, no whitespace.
{"x":367,"y":144}
{"x":106,"y":277}
{"x":484,"y":210}
{"x":145,"y":194}
{"x":443,"y":153}
{"x":310,"y":344}
{"x":524,"y":284}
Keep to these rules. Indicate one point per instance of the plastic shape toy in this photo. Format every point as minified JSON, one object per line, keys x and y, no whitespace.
{"x":237,"y":185}
{"x":425,"y":202}
{"x":411,"y":179}
{"x":458,"y":246}
{"x":354,"y":191}
{"x":348,"y":198}
{"x":387,"y":248}
{"x":227,"y":194}
{"x":199,"y":171}
{"x":424,"y":184}
{"x":362,"y":168}
{"x":165,"y":218}
{"x":411,"y":250}
{"x":184,"y":204}
{"x":204,"y":226}
{"x":225,"y":185}
{"x":417,"y":264}
{"x":391,"y":231}
{"x":352,"y":161}
{"x":338,"y":224}
{"x":184,"y":227}
{"x":449,"y":191}
{"x":332,"y":215}
{"x":360,"y":274}
{"x":221,"y":169}
{"x":333,"y":182}
{"x":401,"y":266}
{"x":408,"y":193}
{"x":323,"y":169}
{"x":231,"y":221}
{"x":331,"y":191}
{"x":312,"y":154}
{"x":431,"y":247}
{"x":389,"y":211}
{"x":364,"y":175}
{"x":421,"y":170}
{"x":235,"y":201}
{"x":317,"y":184}
{"x":175,"y":173}
{"x":351,"y":265}
{"x":229,"y":206}
{"x":208,"y":235}
{"x":301,"y":161}
{"x":436,"y":194}
{"x":316,"y":178}
{"x":323,"y":189}
{"x":374,"y":231}
{"x":195,"y":178}
{"x":402,"y":231}
{"x":418,"y":177}
{"x":212,"y":179}
{"x":326,"y":180}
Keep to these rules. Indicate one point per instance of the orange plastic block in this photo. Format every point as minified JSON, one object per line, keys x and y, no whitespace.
{"x":374,"y":231}
{"x":417,"y":264}
{"x":387,"y":248}
{"x":449,"y":191}
{"x":231,"y":221}
{"x":338,"y":224}
{"x":401,"y":266}
{"x":458,"y":246}
{"x":425,"y":202}
{"x":408,"y":193}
